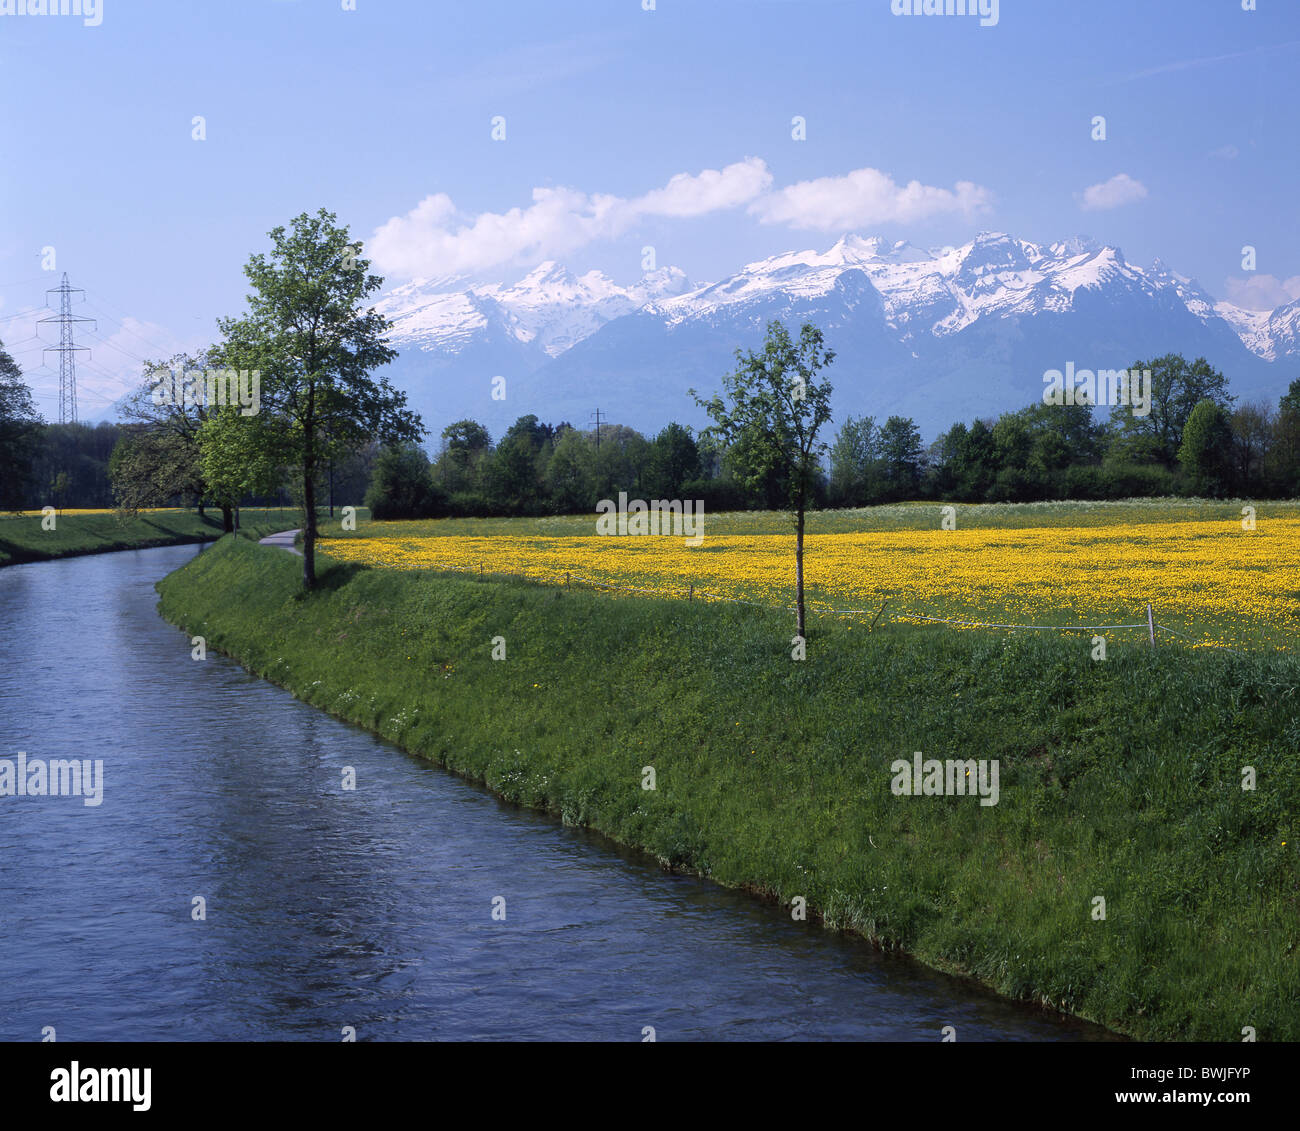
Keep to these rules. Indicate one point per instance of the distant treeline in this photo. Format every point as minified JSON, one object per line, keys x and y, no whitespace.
{"x":1194,"y":440}
{"x":70,"y":465}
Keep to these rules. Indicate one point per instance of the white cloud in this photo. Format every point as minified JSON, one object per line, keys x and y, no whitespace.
{"x":1119,"y":190}
{"x":865,"y":197}
{"x":1262,"y":292}
{"x":1225,"y":153}
{"x":711,"y":190}
{"x":437,"y":238}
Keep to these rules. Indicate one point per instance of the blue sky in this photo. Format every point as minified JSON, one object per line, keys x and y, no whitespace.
{"x":372,"y":112}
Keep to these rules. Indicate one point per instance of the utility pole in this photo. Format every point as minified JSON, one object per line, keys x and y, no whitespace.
{"x":597,"y":416}
{"x":67,"y":350}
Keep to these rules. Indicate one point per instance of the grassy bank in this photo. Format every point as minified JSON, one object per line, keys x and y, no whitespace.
{"x":22,"y":538}
{"x":1119,"y":779}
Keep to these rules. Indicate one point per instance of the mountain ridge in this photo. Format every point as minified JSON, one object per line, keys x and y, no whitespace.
{"x":925,"y":331}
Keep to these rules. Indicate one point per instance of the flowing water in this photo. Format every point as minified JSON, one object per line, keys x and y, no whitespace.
{"x":372,"y":909}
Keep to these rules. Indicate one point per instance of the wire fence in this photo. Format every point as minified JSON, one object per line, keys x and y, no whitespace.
{"x":691,"y":590}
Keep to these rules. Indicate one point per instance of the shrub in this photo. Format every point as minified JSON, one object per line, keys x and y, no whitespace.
{"x":402,"y":486}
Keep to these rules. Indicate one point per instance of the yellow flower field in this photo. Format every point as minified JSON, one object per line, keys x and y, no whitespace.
{"x":1208,"y":579}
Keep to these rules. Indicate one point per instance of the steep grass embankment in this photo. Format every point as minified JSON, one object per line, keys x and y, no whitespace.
{"x":1120,"y":779}
{"x":23,"y":539}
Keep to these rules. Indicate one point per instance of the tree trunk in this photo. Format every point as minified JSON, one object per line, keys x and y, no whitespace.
{"x":309,"y":491}
{"x":227,"y":519}
{"x":309,"y":532}
{"x":798,"y":570}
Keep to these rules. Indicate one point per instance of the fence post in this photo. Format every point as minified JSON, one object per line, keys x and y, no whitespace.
{"x":879,"y":614}
{"x":690,"y":596}
{"x":1151,"y":625}
{"x":566,"y":580}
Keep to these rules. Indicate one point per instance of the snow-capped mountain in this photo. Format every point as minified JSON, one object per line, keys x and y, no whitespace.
{"x":938,"y":334}
{"x":549,"y":309}
{"x":1270,"y":334}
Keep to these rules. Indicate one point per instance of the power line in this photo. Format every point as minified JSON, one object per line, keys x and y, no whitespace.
{"x":49,"y":375}
{"x":11,"y":347}
{"x":122,"y":349}
{"x":119,"y":316}
{"x":22,"y":314}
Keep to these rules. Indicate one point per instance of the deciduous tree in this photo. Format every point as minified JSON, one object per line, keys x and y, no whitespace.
{"x":314,"y":347}
{"x":20,"y":433}
{"x":773,"y":408}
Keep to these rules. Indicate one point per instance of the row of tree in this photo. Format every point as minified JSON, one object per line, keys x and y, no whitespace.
{"x":1041,"y":452}
{"x":1193,"y":441}
{"x":92,"y":465}
{"x":538,"y":468}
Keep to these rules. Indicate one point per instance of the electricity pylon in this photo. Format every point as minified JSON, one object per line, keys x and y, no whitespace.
{"x":67,"y":350}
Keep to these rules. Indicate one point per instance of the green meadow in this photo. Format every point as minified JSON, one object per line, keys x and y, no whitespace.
{"x":897,"y":516}
{"x":1124,"y":876}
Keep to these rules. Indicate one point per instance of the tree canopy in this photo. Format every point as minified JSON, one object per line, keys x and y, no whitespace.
{"x":314,"y":347}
